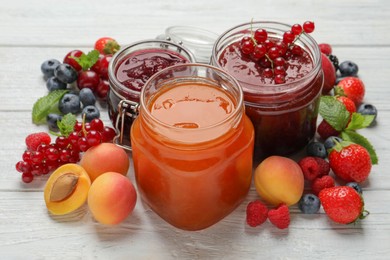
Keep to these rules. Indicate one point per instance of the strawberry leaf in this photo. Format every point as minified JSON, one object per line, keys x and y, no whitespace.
{"x":44,"y":105}
{"x":334,"y":112}
{"x":356,"y":138}
{"x":86,"y":61}
{"x":66,"y":125}
{"x":359,"y":121}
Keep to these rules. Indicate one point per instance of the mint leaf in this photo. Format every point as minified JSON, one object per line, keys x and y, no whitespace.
{"x":352,"y":136}
{"x":359,"y":121}
{"x":66,"y":125}
{"x":334,"y":112}
{"x":87,"y":60}
{"x":44,"y":105}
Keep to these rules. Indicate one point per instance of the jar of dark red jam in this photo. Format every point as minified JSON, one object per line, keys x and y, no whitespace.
{"x":192,"y":145}
{"x":128,"y":71}
{"x":284,"y":115}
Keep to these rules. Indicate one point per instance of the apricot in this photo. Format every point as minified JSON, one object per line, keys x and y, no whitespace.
{"x":105,"y":157}
{"x":111,"y":198}
{"x":279,"y":180}
{"x":66,"y":189}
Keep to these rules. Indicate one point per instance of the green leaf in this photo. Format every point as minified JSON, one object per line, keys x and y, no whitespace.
{"x":87,"y":60}
{"x":356,"y":138}
{"x":334,"y":112}
{"x":359,"y":121}
{"x":44,"y":105}
{"x":67,"y":123}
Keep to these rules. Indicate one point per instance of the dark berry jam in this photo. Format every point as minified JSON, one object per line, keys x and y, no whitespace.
{"x":284,"y":115}
{"x":130,"y":69}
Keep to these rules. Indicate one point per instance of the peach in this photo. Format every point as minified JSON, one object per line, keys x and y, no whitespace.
{"x":279,"y":180}
{"x":105,"y":157}
{"x":111,"y":198}
{"x":66,"y":189}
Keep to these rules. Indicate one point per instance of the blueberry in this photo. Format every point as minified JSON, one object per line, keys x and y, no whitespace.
{"x":356,"y":186}
{"x":309,"y":204}
{"x":316,"y":149}
{"x":368,"y":109}
{"x":69,"y":103}
{"x":348,"y":68}
{"x":51,"y":120}
{"x":331,"y":141}
{"x":48,"y":67}
{"x":65,"y":73}
{"x":53,"y":84}
{"x":334,"y":60}
{"x":87,"y":97}
{"x":91,"y":112}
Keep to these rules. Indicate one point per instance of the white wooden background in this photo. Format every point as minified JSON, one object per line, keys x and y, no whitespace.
{"x":33,"y":31}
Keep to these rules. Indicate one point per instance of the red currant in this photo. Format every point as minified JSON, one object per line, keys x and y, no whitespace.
{"x":247,"y":47}
{"x":42,"y":148}
{"x":22,"y":166}
{"x":83,"y":144}
{"x":296,"y":29}
{"x":37,"y":157}
{"x":93,"y":138}
{"x":265,"y":62}
{"x":279,"y":70}
{"x":288,"y":37}
{"x":52,"y":154}
{"x":269,"y":44}
{"x":78,"y":126}
{"x":108,"y":134}
{"x":73,"y":138}
{"x":260,"y":35}
{"x":280,"y":61}
{"x":27,"y":156}
{"x":102,"y":89}
{"x":52,"y":165}
{"x":72,"y":62}
{"x":97,"y":124}
{"x":268,"y":73}
{"x":273,"y":53}
{"x":65,"y":155}
{"x":259,"y":51}
{"x":308,"y":27}
{"x":88,"y":79}
{"x":27,"y":177}
{"x":297,"y":50}
{"x":245,"y":39}
{"x":37,"y":169}
{"x":62,"y":142}
{"x":282,"y":48}
{"x":279,"y":79}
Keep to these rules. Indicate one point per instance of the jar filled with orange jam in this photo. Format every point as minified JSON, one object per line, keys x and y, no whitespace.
{"x":192,"y":145}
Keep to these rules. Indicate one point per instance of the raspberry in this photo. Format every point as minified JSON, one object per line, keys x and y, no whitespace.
{"x":280,"y":217}
{"x":34,"y":140}
{"x":310,"y":168}
{"x":325,"y":130}
{"x":319,"y":184}
{"x":256,"y":213}
{"x":324,"y":166}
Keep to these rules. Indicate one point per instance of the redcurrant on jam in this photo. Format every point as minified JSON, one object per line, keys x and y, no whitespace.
{"x":283,"y":107}
{"x":131,"y":67}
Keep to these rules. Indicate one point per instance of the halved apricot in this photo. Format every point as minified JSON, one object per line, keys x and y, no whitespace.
{"x":66,"y":189}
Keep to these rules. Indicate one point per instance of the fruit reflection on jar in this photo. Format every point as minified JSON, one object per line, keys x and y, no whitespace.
{"x":192,"y":145}
{"x":131,"y":67}
{"x":282,"y":96}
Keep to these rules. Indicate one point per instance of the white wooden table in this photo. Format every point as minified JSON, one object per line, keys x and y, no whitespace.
{"x":33,"y":31}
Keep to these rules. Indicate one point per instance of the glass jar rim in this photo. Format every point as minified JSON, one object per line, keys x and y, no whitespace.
{"x":237,"y":110}
{"x":116,"y":56}
{"x":286,"y":87}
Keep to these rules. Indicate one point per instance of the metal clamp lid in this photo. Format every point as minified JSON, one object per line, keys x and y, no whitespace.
{"x":126,"y":108}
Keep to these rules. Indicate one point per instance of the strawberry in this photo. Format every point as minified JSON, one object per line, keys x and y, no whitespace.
{"x":329,"y":74}
{"x":106,"y":45}
{"x":325,"y":130}
{"x":280,"y":217}
{"x":35,"y":139}
{"x":342,"y":204}
{"x":321,"y":183}
{"x":352,"y":88}
{"x":348,"y":103}
{"x":350,"y":162}
{"x":325,"y":48}
{"x":256,"y":213}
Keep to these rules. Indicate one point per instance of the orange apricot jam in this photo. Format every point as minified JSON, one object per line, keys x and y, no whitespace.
{"x":192,"y":149}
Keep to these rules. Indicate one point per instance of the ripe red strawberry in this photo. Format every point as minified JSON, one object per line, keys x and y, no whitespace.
{"x":352,"y":88}
{"x":256,"y":213}
{"x":348,"y":103}
{"x":325,"y":48}
{"x":325,"y":130}
{"x":329,"y":74}
{"x":34,"y":140}
{"x":280,"y":217}
{"x":321,"y":183}
{"x":342,"y":204}
{"x":107,"y":45}
{"x":350,"y":162}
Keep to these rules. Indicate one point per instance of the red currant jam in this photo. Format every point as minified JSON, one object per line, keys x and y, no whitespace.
{"x":282,"y":96}
{"x":132,"y":66}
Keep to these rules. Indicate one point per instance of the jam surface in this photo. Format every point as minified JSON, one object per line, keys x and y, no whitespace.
{"x":244,"y":69}
{"x":139,"y":66}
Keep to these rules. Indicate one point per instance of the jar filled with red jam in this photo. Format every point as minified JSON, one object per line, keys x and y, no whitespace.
{"x":128,"y":71}
{"x":284,"y":114}
{"x":192,"y":145}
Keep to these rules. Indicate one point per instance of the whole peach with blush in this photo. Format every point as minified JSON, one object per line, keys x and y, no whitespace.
{"x":279,"y":180}
{"x":105,"y":157}
{"x":111,"y":198}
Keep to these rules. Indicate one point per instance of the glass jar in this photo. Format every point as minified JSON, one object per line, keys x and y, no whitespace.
{"x":128,"y":71}
{"x":284,"y":115}
{"x":192,"y":145}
